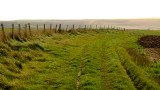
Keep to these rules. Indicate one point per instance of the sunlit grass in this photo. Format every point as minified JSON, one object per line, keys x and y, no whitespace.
{"x":54,"y":61}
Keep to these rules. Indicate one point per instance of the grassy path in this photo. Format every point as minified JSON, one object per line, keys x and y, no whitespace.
{"x":84,"y":52}
{"x":88,"y":61}
{"x":114,"y":75}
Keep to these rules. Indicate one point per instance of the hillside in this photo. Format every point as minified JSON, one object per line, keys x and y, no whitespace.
{"x":151,"y":24}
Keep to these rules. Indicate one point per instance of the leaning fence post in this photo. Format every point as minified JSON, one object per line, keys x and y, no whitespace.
{"x":3,"y":32}
{"x":12,"y":31}
{"x":29,"y":27}
{"x":19,"y":29}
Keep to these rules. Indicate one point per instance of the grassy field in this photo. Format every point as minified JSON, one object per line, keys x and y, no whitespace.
{"x":96,"y":60}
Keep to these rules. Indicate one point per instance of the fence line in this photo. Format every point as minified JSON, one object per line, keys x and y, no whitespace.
{"x":56,"y":29}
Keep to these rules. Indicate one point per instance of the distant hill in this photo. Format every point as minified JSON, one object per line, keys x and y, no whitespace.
{"x":151,"y":24}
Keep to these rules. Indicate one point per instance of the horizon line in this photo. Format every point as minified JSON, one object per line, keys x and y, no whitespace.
{"x":81,"y":19}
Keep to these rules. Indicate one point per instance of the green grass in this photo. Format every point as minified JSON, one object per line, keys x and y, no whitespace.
{"x":148,"y":32}
{"x":92,"y":60}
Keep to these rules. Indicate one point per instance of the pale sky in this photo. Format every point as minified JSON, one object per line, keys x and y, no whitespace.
{"x":78,"y":9}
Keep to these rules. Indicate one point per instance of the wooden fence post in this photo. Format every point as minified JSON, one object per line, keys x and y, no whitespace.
{"x":59,"y":29}
{"x":56,"y":28}
{"x":96,"y":27}
{"x":19,"y":29}
{"x":25,"y":33}
{"x":12,"y":31}
{"x":50,"y":27}
{"x":67,"y":28}
{"x":73,"y":27}
{"x":37,"y":27}
{"x":3,"y":32}
{"x":44,"y":28}
{"x":29,"y":27}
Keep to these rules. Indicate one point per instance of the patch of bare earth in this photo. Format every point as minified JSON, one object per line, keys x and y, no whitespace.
{"x":153,"y":53}
{"x":151,"y":44}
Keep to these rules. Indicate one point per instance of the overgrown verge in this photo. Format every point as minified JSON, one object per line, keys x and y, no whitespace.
{"x":141,"y":79}
{"x":151,"y":45}
{"x":13,"y":59}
